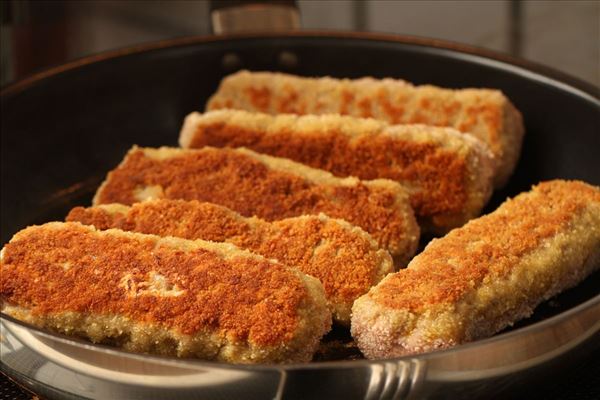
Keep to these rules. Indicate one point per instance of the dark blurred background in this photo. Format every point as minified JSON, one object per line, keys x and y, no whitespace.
{"x":562,"y":34}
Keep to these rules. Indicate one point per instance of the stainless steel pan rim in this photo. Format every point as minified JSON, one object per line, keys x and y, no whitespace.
{"x":591,"y":307}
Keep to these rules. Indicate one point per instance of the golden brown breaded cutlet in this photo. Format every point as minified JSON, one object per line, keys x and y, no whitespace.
{"x":162,"y":295}
{"x":485,"y":276}
{"x":268,"y":187}
{"x":448,"y":175}
{"x":343,"y":257}
{"x":485,"y":113}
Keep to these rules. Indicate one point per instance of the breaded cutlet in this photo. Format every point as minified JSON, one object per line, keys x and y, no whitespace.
{"x":343,"y":257}
{"x":270,"y":188}
{"x":164,"y":296}
{"x":448,"y":175}
{"x":485,"y":276}
{"x":486,"y":113}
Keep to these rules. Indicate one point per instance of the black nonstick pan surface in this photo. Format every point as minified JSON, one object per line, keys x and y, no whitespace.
{"x":63,"y":129}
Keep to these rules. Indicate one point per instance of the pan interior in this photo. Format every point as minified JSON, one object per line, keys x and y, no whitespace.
{"x":61,"y":134}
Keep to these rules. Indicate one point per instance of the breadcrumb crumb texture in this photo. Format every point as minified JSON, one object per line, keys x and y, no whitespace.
{"x":485,"y":113}
{"x":268,"y":187}
{"x":485,"y":276}
{"x":448,"y":174}
{"x":162,"y":295}
{"x":343,"y":257}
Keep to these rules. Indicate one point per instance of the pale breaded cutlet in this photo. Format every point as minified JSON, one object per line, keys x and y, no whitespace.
{"x":165,"y":296}
{"x":485,"y":276}
{"x":270,"y":188}
{"x":486,"y":113}
{"x":448,"y":175}
{"x":343,"y":257}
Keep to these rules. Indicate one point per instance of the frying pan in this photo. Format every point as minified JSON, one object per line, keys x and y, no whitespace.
{"x":64,"y":128}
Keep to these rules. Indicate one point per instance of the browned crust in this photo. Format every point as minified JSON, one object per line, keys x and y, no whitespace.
{"x":485,"y":113}
{"x":74,"y":268}
{"x":488,"y":246}
{"x":344,"y":258}
{"x":482,"y":277}
{"x":448,"y":174}
{"x":252,"y":185}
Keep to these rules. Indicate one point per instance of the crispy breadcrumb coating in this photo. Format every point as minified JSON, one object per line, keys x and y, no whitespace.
{"x":270,"y":188}
{"x":343,"y":257}
{"x":485,"y":276}
{"x":162,"y":295}
{"x":485,"y":113}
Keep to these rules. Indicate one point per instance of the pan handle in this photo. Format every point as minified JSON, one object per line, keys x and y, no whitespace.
{"x":243,"y":16}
